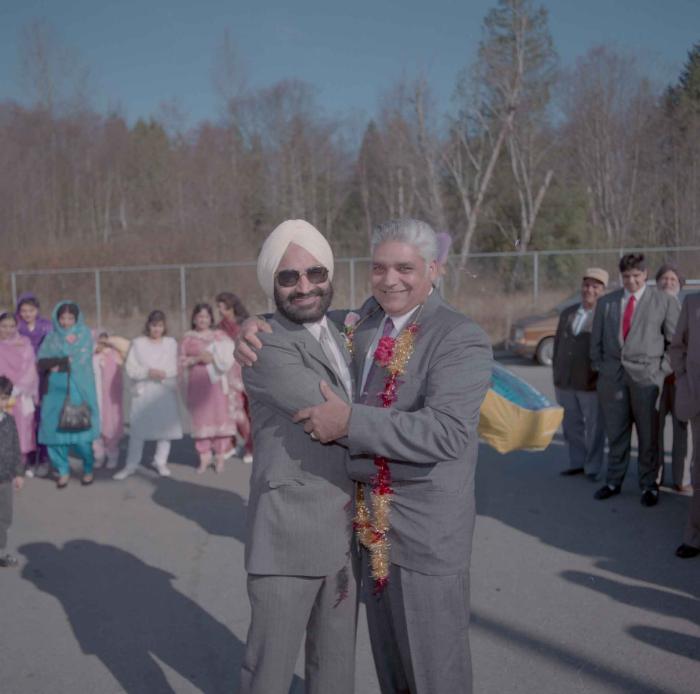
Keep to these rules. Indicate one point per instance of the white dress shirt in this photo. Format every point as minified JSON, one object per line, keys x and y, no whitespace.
{"x":580,"y":318}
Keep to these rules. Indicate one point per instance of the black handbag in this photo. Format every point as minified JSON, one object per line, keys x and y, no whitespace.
{"x":74,"y":418}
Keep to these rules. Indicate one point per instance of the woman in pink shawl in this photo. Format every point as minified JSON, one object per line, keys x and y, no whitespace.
{"x":17,"y":362}
{"x":213,"y":391}
{"x":108,"y":363}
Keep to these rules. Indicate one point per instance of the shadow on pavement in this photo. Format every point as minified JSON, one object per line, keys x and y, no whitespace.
{"x":126,"y":612}
{"x":543,"y":648}
{"x":525,"y":491}
{"x":671,"y":641}
{"x":218,"y":511}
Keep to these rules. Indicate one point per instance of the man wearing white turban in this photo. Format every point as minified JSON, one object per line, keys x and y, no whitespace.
{"x":301,"y":578}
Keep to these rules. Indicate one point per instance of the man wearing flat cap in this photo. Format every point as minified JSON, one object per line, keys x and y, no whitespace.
{"x":575,"y":380}
{"x":297,"y":554}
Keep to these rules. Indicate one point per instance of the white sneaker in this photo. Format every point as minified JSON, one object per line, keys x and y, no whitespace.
{"x":123,"y":474}
{"x":112,"y":462}
{"x":29,"y":472}
{"x":247,"y":458}
{"x":163,"y":469}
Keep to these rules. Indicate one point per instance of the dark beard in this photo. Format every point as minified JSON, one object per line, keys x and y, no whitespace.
{"x":301,"y":314}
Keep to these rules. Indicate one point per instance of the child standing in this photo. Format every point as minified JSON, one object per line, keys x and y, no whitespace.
{"x":11,"y":468}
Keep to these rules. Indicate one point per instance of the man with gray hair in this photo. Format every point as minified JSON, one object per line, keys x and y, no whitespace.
{"x":421,"y":370}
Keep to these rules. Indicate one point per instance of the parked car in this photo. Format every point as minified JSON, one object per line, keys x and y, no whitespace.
{"x":532,"y":337}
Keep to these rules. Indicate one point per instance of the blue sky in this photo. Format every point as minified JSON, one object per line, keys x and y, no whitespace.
{"x":141,"y":53}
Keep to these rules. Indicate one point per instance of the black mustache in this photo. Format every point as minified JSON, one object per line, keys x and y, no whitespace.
{"x":303,"y":295}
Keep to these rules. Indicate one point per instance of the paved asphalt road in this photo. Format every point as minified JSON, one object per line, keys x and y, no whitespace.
{"x":139,"y":586}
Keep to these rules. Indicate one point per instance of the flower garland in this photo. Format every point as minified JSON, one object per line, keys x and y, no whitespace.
{"x":372,"y":529}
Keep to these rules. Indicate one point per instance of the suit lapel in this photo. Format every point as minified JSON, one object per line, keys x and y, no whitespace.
{"x":311,"y":346}
{"x":571,"y":319}
{"x":613,"y":315}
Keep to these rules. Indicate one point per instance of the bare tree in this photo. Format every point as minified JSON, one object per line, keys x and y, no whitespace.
{"x":608,"y":108}
{"x":52,"y":74}
{"x":491,"y":95}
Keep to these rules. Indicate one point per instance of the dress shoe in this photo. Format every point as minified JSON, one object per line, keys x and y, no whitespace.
{"x":62,"y":481}
{"x":606,"y":492}
{"x":87,"y":479}
{"x":650,"y":497}
{"x":571,"y":472}
{"x":687,"y":551}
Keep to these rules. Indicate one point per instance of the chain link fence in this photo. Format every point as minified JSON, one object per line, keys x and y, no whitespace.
{"x":492,"y":288}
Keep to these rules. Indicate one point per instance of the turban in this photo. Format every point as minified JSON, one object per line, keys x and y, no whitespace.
{"x":292,"y":231}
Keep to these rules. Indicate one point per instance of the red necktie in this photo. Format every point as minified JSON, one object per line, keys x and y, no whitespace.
{"x":627,"y":317}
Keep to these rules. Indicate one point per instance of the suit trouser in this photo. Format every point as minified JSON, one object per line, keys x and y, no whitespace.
{"x":583,"y":428}
{"x":692,"y":528}
{"x":58,"y":455}
{"x":679,"y":445}
{"x":624,"y":403}
{"x":419,"y":631}
{"x":282,"y":609}
{"x":6,"y":493}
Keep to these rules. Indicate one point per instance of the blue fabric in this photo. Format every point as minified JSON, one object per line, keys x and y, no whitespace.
{"x":82,"y":382}
{"x":511,"y":387}
{"x":59,"y":457}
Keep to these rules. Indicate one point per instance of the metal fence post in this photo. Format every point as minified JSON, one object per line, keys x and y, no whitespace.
{"x":98,"y":298}
{"x":536,"y":276}
{"x":353,"y":303}
{"x":183,"y":299}
{"x":13,"y":283}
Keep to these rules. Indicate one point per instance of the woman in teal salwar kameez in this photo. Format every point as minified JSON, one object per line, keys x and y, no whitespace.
{"x":70,"y":342}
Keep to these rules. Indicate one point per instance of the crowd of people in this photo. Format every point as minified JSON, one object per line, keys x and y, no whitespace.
{"x":626,"y":359}
{"x":66,"y":388}
{"x":365,"y":435}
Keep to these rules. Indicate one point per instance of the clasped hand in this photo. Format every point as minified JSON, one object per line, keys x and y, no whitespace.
{"x":328,"y":421}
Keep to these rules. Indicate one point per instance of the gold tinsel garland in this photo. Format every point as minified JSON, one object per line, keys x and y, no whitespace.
{"x":372,"y":529}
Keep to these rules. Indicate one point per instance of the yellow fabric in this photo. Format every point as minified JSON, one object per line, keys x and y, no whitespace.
{"x":508,"y":427}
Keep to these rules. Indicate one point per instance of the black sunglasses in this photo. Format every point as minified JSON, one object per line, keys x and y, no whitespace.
{"x":315,"y":275}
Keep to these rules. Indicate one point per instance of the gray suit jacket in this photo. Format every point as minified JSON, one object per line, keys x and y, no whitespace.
{"x":429,"y":435}
{"x":685,"y":359}
{"x":643,"y":357}
{"x":299,"y":515}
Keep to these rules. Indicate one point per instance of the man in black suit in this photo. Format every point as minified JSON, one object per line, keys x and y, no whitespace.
{"x":575,"y":380}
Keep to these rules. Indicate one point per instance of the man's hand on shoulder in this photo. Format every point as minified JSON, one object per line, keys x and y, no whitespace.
{"x":328,"y":421}
{"x":248,"y":341}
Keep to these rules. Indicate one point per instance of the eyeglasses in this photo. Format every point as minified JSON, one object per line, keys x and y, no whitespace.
{"x":315,"y":275}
